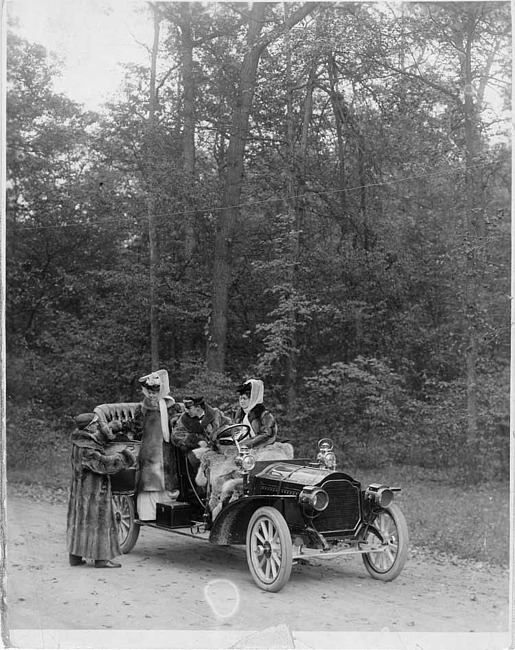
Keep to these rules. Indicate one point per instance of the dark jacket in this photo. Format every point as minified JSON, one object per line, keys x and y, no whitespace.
{"x":189,"y":432}
{"x":264,"y":426}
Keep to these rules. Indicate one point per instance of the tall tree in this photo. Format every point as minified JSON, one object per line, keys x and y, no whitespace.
{"x":474,"y":33}
{"x":228,"y":214}
{"x":151,"y":198}
{"x":189,"y":122}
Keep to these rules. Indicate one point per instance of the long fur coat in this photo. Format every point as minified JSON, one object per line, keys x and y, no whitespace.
{"x":91,"y":524}
{"x":156,"y":460}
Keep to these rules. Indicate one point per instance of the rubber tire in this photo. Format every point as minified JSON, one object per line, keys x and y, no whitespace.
{"x":271,"y":519}
{"x":128,"y":530}
{"x":394,"y":513}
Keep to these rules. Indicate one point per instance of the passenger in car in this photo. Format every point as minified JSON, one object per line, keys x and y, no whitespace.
{"x":252,"y":411}
{"x":218,"y":467}
{"x":197,"y":426}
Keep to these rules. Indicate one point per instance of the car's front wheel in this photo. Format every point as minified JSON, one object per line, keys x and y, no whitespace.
{"x":390,"y":528}
{"x":125,"y":515}
{"x":269,"y":549}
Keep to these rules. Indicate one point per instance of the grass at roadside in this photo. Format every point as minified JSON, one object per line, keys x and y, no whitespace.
{"x":467,"y":521}
{"x":49,"y":465}
{"x":459,"y":520}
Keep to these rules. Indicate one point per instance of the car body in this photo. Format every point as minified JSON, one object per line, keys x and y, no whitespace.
{"x":284,"y":512}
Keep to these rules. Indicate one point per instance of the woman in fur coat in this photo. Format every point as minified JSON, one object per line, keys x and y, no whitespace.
{"x":155,"y":476}
{"x":91,"y":523}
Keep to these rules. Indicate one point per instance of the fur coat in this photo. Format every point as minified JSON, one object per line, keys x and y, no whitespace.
{"x":91,"y":524}
{"x":156,"y":461}
{"x":221,"y":472}
{"x":150,"y":476}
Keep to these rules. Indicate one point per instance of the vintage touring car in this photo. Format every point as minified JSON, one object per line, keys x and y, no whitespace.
{"x":286,"y":511}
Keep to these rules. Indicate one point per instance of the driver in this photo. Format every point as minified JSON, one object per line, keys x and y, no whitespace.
{"x":252,"y":411}
{"x":197,"y":427}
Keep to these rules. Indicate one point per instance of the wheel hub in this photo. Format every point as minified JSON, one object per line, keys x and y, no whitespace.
{"x":264,"y":550}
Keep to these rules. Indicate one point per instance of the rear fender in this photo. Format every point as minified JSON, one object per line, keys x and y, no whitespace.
{"x":230,"y":526}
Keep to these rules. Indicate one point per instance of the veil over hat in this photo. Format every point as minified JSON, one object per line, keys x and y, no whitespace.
{"x":254,"y":388}
{"x":157,"y":383}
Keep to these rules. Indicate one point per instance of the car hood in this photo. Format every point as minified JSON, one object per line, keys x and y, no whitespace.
{"x":301,"y":474}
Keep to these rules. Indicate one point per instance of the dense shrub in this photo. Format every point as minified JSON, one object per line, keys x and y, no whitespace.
{"x":373,"y":419}
{"x":362,"y":405}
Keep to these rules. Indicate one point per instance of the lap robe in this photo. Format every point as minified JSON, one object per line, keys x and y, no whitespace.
{"x":222,"y":470}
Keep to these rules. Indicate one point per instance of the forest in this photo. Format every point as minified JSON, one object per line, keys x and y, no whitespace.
{"x":313,"y":194}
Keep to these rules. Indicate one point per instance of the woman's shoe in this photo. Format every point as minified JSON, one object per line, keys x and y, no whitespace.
{"x":106,"y":564}
{"x":76,"y":560}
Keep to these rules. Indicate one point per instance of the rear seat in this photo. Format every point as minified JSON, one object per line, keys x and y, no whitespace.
{"x":122,"y":411}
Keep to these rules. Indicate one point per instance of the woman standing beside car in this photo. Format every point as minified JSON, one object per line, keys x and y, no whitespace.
{"x":154,"y":484}
{"x":91,"y":528}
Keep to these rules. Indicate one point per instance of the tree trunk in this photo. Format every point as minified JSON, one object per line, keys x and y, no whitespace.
{"x":227,"y":216}
{"x":339,"y":120}
{"x":188,"y":125}
{"x":293,"y":248}
{"x":474,"y":230}
{"x":151,"y":201}
{"x":297,"y":172}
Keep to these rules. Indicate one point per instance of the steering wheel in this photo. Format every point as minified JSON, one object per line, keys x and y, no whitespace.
{"x":232,"y":434}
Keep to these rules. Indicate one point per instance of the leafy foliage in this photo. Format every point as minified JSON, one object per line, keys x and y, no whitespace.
{"x":360,"y":271}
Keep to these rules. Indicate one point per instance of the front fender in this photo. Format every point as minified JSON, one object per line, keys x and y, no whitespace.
{"x":230,"y":526}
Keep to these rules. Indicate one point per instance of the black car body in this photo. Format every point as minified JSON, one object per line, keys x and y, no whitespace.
{"x":285,"y":511}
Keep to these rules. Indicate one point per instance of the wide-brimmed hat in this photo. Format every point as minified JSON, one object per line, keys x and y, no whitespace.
{"x":157,"y":384}
{"x":151,"y":382}
{"x":245,"y":388}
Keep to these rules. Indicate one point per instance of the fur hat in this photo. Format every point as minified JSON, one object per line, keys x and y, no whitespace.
{"x":85,"y":419}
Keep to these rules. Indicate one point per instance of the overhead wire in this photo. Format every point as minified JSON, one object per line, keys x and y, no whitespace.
{"x":274,"y":199}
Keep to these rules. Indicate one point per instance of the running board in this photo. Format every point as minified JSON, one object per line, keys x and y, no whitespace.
{"x":194,"y":530}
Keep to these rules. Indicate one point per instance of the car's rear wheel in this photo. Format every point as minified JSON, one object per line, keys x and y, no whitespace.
{"x":125,"y":514}
{"x":388,"y":563}
{"x":269,"y":549}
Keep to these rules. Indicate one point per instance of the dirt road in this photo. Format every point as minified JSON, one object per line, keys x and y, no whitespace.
{"x":176,"y":592}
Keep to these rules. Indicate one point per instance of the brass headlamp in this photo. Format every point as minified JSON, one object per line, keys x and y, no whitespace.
{"x":245,"y":460}
{"x":326,"y":455}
